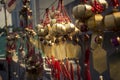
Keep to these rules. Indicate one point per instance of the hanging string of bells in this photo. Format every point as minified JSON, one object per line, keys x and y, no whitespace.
{"x":97,"y":20}
{"x":43,"y":28}
{"x":93,"y":22}
{"x":56,"y":24}
{"x":61,"y":23}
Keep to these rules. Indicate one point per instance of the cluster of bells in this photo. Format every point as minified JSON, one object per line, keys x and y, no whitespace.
{"x":90,"y":15}
{"x":58,"y":32}
{"x":56,"y":28}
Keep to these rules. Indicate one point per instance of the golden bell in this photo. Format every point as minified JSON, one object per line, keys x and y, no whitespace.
{"x":95,"y":21}
{"x":109,"y":22}
{"x":69,"y":27}
{"x":117,"y":18}
{"x":82,"y":11}
{"x":60,"y":28}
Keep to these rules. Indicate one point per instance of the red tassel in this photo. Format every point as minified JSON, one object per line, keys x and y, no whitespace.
{"x":78,"y":72}
{"x":63,"y":72}
{"x":87,"y":54}
{"x":58,"y":69}
{"x":87,"y":72}
{"x":72,"y":71}
{"x":87,"y":69}
{"x":66,"y":72}
{"x":67,"y":64}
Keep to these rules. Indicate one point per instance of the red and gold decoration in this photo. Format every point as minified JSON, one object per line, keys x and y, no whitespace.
{"x":59,"y":40}
{"x":33,"y":60}
{"x":54,"y":32}
{"x":61,"y":70}
{"x":11,"y":45}
{"x":97,"y":23}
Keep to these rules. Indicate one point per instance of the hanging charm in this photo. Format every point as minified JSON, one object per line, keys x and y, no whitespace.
{"x":99,"y":59}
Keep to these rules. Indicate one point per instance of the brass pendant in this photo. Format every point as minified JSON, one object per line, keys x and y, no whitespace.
{"x":99,"y":59}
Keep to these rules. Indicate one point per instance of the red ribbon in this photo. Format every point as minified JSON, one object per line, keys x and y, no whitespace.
{"x":87,"y":54}
{"x":67,"y":64}
{"x":78,"y":72}
{"x":57,"y":70}
{"x":72,"y":71}
{"x":66,"y":72}
{"x":87,"y":72}
{"x":55,"y":67}
{"x":86,"y":62}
